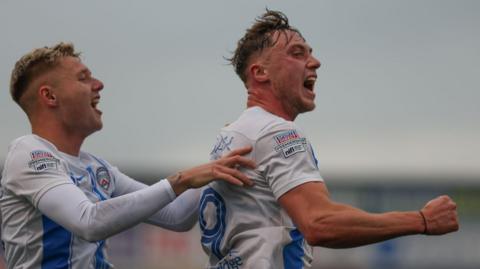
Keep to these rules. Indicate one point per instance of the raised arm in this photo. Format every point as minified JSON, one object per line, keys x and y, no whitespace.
{"x":329,"y":224}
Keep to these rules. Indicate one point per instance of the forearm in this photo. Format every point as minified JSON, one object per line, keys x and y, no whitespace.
{"x":346,"y":226}
{"x":98,"y":221}
{"x":181,"y":214}
{"x":326,"y":223}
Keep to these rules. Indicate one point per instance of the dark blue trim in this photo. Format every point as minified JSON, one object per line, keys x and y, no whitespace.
{"x":293,"y":252}
{"x":56,"y":245}
{"x":104,"y":164}
{"x":100,"y":161}
{"x":93,"y":181}
{"x":212,"y":238}
{"x":100,"y":262}
{"x":75,"y":179}
{"x":314,"y":157}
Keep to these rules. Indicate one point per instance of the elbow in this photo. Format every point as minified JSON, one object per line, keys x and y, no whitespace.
{"x":175,"y":226}
{"x":185,"y":227}
{"x":186,"y":223}
{"x":91,"y":236}
{"x":182,"y":229}
{"x":318,"y":238}
{"x":88,"y":232}
{"x":322,"y":235}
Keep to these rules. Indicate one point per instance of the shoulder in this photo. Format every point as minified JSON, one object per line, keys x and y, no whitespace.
{"x":281,"y":132}
{"x":32,"y":142}
{"x":32,"y":164}
{"x":32,"y":150}
{"x":256,"y":122}
{"x":89,"y":158}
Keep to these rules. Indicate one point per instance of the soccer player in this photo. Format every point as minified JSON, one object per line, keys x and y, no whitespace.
{"x":58,"y":203}
{"x":288,"y":210}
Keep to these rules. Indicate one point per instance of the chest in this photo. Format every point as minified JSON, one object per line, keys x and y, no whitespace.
{"x":94,"y":179}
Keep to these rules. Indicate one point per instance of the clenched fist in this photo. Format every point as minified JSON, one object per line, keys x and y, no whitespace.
{"x":440,"y":216}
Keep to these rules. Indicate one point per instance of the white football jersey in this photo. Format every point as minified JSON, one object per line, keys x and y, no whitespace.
{"x":245,"y":227}
{"x":32,"y":240}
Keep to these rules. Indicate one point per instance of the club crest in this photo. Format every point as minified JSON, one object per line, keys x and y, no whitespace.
{"x":103,"y":178}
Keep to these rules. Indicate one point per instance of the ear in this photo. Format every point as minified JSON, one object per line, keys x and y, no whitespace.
{"x":259,"y":73}
{"x":47,"y":95}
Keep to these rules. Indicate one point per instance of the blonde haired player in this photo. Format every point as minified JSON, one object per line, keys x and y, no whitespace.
{"x":58,"y":203}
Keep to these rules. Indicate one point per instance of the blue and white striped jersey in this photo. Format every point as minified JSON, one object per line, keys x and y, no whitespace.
{"x":246,"y":228}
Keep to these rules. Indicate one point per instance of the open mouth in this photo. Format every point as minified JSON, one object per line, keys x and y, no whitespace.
{"x":94,"y":104}
{"x":309,"y":83}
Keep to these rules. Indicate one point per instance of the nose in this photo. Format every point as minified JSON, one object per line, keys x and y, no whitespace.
{"x":313,"y":63}
{"x":97,"y":85}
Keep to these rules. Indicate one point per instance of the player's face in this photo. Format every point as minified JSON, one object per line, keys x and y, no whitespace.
{"x":292,"y":72}
{"x":78,"y":94}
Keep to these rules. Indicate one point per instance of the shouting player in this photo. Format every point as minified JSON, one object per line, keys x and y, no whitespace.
{"x":59,"y":204}
{"x":275,"y":223}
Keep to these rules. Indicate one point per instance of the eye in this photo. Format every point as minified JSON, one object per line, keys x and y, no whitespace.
{"x":298,"y":52}
{"x":83,"y":76}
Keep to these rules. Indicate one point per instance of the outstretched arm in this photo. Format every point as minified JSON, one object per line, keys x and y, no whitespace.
{"x":181,"y":214}
{"x":334,"y":225}
{"x":68,"y":206}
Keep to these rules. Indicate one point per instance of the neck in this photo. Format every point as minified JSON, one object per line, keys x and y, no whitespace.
{"x":265,"y":99}
{"x":67,"y":142}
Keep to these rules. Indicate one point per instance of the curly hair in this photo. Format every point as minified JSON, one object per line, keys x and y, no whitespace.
{"x":259,"y":37}
{"x":36,"y":63}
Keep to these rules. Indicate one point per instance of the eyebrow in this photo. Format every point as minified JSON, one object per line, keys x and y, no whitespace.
{"x":84,"y":71}
{"x":302,"y":46}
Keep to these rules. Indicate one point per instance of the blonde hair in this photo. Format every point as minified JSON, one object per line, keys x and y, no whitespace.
{"x":34,"y":64}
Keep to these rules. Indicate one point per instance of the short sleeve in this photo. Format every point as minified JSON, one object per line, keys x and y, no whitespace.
{"x":31,"y":169}
{"x":285,"y":157}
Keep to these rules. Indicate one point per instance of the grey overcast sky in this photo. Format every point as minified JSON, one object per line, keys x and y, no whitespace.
{"x":398,"y":90}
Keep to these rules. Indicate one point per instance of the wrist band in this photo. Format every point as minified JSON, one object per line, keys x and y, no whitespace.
{"x":424,"y":221}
